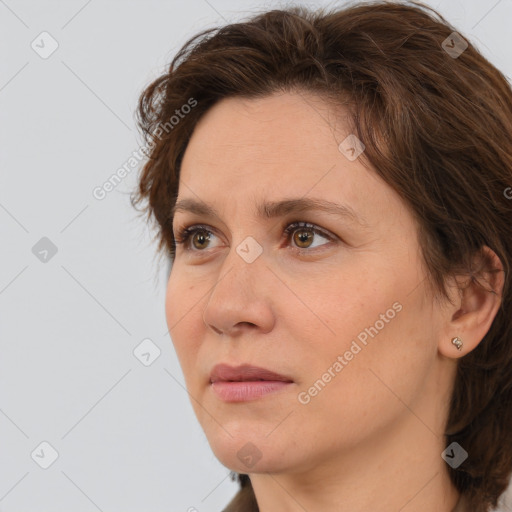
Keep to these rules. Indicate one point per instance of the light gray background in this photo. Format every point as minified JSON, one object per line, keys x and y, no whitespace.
{"x":125,"y":433}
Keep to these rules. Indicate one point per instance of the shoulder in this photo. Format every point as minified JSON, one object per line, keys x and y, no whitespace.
{"x":243,"y":501}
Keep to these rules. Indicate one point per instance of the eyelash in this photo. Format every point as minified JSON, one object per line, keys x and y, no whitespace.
{"x":184,"y":234}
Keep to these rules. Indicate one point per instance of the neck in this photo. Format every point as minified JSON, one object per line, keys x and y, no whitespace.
{"x":401,"y":469}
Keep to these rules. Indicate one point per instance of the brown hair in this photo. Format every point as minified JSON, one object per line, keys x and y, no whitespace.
{"x":437,"y":128}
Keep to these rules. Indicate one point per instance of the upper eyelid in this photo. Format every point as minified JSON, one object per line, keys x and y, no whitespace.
{"x":286,"y":219}
{"x":293,"y":225}
{"x":301,"y":224}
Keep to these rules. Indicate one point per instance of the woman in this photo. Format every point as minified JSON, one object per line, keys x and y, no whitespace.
{"x":333,"y":190}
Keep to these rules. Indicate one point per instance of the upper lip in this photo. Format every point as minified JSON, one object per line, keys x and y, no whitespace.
{"x":246,"y":372}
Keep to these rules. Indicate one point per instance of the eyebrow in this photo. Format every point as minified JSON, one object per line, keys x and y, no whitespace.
{"x":273,"y":209}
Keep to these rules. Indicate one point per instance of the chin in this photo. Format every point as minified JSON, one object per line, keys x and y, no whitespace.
{"x":240,"y":454}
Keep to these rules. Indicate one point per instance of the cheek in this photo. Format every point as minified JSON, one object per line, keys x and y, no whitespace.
{"x":379,"y":329}
{"x":350,"y":300}
{"x":183,"y":316}
{"x":367,"y":389}
{"x":175,"y":289}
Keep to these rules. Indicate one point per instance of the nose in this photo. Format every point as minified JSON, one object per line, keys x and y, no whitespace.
{"x":240,"y":299}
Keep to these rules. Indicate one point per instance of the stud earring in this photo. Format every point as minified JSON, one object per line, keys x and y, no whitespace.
{"x":457,"y":342}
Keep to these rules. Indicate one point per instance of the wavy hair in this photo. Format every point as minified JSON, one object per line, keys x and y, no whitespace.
{"x":437,"y":128}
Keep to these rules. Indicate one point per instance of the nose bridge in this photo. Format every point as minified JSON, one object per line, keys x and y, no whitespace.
{"x":238,"y":295}
{"x":241,"y":268}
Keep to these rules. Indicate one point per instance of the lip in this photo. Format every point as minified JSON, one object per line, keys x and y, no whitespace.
{"x":244,"y":373}
{"x":245,"y":382}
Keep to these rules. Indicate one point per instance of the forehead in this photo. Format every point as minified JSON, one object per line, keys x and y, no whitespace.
{"x":277,"y":138}
{"x":277,"y":126}
{"x":284,"y":145}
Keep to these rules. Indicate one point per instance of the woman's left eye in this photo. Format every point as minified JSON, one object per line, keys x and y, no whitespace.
{"x":302,"y":233}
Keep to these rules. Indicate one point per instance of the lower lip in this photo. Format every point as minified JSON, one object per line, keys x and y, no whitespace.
{"x":248,"y":390}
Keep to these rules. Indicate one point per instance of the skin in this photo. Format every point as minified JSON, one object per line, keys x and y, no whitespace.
{"x":371,"y":439}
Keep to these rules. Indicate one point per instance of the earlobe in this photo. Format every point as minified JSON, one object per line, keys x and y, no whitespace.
{"x":474,"y":310}
{"x":458,"y":343}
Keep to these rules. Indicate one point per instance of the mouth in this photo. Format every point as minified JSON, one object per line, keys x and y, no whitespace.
{"x":246,"y":382}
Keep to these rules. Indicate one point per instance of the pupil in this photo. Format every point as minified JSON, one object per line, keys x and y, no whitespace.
{"x":201,"y":238}
{"x":304,"y":236}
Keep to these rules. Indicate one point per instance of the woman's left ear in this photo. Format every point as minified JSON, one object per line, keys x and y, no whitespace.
{"x":476,"y":301}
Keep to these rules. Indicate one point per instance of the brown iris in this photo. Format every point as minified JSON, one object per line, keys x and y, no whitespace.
{"x":302,"y":236}
{"x":201,"y":237}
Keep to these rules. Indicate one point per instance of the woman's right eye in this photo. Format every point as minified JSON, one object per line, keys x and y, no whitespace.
{"x":186,"y":236}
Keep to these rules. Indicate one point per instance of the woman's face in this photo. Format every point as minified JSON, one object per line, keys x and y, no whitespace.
{"x":340,"y":308}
